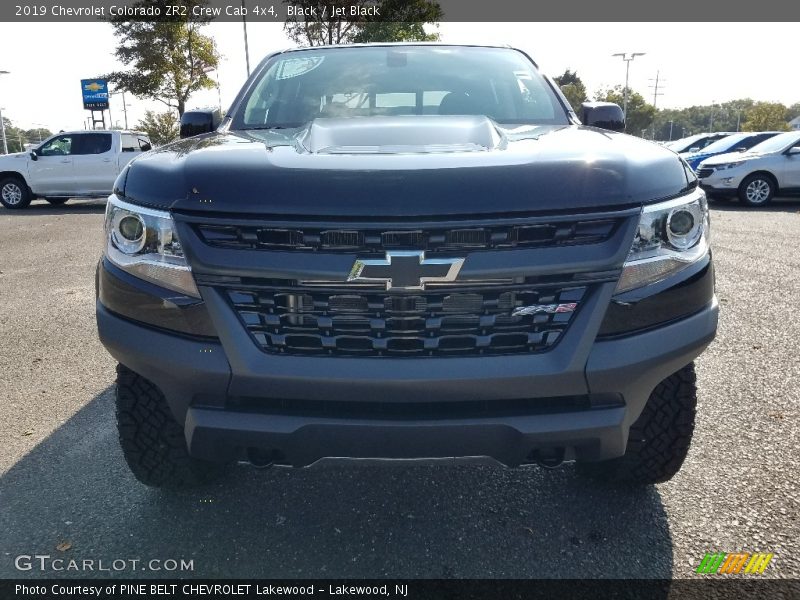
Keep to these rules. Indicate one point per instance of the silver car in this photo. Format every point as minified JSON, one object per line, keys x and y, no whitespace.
{"x":771,"y":167}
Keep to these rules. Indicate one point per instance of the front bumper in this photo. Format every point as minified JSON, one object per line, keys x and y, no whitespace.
{"x":722,"y":183}
{"x":207,"y":381}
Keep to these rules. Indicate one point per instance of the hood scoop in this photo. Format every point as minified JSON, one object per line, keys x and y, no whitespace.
{"x":401,"y":135}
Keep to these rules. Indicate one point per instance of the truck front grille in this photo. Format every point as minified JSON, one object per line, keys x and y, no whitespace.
{"x":437,"y":238}
{"x":353,"y":322}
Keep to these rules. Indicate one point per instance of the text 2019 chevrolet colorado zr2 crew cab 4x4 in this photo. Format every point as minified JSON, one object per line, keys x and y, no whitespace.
{"x":403,"y":252}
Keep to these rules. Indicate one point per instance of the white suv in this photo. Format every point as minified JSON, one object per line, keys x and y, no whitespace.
{"x":757,"y":175}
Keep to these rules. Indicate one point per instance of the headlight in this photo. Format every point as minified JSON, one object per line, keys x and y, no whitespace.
{"x":143,"y":242}
{"x":671,"y":236}
{"x":731,"y":165}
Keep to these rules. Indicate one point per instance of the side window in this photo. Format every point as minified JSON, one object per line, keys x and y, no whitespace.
{"x":92,"y":143}
{"x":129,"y":143}
{"x":748,"y":143}
{"x":60,"y":146}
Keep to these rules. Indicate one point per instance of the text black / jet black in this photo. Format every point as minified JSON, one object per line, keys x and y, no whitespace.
{"x":401,"y":252}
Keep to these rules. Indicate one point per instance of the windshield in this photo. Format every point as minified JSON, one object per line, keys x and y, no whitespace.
{"x":777,"y":143}
{"x":297,"y":87}
{"x":684,"y":143}
{"x":724,"y":144}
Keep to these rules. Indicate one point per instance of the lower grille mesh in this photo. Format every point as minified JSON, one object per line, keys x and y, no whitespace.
{"x":378,"y":323}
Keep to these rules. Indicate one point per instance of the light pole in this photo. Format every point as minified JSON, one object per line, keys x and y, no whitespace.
{"x":670,"y":131}
{"x":3,"y":125}
{"x":628,"y":58}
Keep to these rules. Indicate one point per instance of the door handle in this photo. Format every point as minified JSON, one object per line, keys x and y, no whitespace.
{"x":106,"y":160}
{"x":66,"y":160}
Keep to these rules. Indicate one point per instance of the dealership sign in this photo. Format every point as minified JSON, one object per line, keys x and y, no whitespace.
{"x":95,"y":94}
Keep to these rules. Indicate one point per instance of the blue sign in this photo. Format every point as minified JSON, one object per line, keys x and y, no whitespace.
{"x":95,"y":94}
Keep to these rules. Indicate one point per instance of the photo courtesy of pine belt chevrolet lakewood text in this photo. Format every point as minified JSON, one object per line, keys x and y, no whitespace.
{"x":406,"y":251}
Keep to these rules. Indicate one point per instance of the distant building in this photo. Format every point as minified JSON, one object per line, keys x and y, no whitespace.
{"x":794,"y":124}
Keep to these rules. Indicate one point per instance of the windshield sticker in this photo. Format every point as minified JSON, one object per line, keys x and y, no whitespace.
{"x":293,"y":67}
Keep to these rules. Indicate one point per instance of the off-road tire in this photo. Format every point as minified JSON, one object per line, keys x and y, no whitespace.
{"x":14,"y":193}
{"x":659,"y":439}
{"x":152,"y":440}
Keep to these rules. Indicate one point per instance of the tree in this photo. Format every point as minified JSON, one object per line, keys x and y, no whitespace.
{"x":167,"y":58}
{"x":16,"y":138}
{"x":573,"y":88}
{"x":640,"y":114}
{"x":793,"y":111}
{"x":340,"y":23}
{"x":766,"y":116}
{"x":161,"y":128}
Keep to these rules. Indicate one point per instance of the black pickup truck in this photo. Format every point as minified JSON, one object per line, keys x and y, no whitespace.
{"x":406,"y":252}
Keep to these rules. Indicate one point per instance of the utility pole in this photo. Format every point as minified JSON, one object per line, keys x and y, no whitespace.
{"x":656,"y":94}
{"x":2,"y":124}
{"x":670,"y":130}
{"x":711,"y":120}
{"x":628,"y":58}
{"x":658,"y":85}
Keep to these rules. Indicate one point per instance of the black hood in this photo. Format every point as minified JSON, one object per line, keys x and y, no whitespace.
{"x":405,"y":167}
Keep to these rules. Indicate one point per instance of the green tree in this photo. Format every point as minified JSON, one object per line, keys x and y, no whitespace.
{"x":167,"y":59}
{"x":793,"y":111}
{"x":34,"y":136}
{"x":161,"y":128}
{"x":640,"y":114}
{"x":16,"y":138}
{"x":340,"y":23}
{"x":573,"y":88}
{"x":766,"y":116}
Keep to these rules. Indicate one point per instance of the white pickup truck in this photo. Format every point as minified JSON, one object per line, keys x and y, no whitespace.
{"x":71,"y":164}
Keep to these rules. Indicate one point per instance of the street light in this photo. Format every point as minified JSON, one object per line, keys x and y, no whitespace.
{"x":627,"y":58}
{"x":3,"y":125}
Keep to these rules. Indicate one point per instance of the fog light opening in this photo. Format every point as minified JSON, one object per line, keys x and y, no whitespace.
{"x":264,"y":459}
{"x":549,"y":458}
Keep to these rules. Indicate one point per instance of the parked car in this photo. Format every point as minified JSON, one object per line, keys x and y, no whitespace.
{"x":737,"y":142}
{"x":399,"y":252}
{"x":70,"y":164}
{"x":696,"y":142}
{"x":757,"y":175}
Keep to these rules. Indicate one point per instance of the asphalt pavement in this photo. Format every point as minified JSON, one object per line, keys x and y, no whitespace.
{"x":65,"y":491}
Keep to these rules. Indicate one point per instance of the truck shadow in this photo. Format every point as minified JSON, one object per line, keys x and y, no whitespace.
{"x":361,"y":521}
{"x":783,"y":204}
{"x":74,"y":206}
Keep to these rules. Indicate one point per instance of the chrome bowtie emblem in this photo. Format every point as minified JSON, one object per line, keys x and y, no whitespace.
{"x":406,"y":270}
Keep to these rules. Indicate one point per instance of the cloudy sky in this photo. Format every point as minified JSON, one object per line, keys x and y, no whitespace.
{"x":699,"y":62}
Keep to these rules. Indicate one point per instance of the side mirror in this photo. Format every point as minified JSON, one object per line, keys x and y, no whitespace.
{"x":146,"y":147}
{"x":694,"y":149}
{"x":197,"y":122}
{"x":34,"y":156}
{"x":740,"y":149}
{"x":605,"y":115}
{"x":793,"y":151}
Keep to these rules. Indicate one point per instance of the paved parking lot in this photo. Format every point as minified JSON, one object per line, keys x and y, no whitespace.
{"x":63,"y":483}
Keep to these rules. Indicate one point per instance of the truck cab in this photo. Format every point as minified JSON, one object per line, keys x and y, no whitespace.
{"x":71,"y":164}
